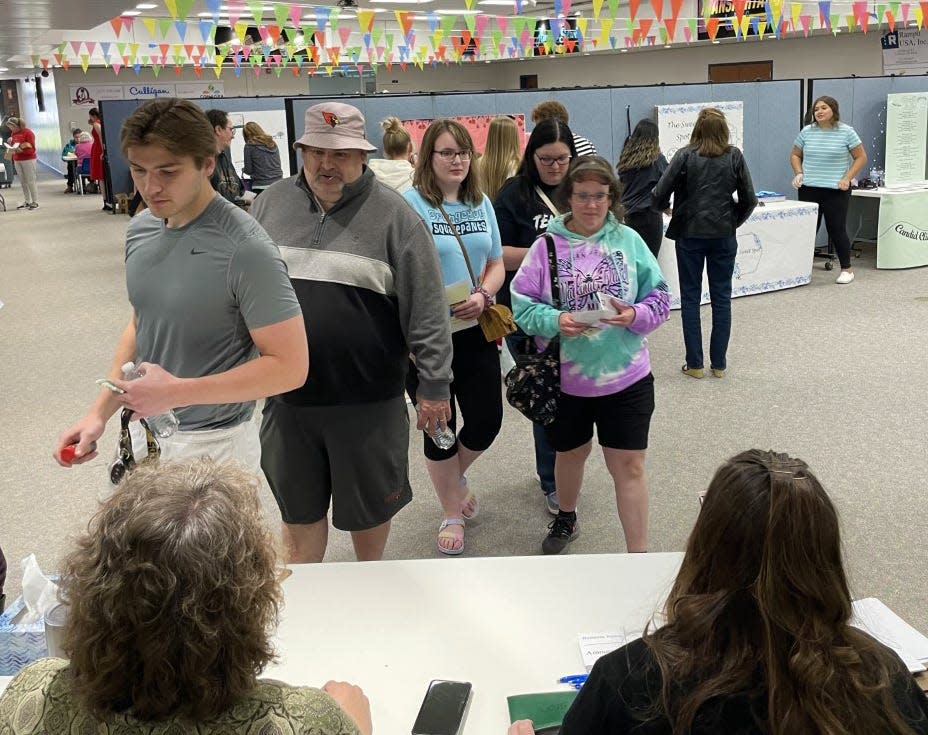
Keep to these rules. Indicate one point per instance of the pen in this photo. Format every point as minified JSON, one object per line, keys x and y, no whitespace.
{"x":575,"y":680}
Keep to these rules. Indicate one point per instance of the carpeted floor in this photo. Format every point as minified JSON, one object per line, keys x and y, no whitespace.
{"x":833,"y":374}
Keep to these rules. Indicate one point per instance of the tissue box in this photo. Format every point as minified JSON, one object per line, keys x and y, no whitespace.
{"x":20,"y":643}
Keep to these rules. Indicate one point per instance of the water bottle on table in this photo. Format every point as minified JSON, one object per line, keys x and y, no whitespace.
{"x":162,"y":425}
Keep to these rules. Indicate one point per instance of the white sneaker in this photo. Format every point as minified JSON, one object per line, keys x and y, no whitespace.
{"x":845,"y":277}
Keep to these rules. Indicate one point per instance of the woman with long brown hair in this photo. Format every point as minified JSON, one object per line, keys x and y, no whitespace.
{"x":641,"y":165}
{"x":757,"y":638}
{"x":447,"y":196}
{"x":262,"y":158}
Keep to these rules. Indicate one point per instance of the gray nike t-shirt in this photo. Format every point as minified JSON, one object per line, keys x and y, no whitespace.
{"x":197,"y":291}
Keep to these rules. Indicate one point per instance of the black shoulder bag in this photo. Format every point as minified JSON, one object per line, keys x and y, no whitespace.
{"x":533,"y":385}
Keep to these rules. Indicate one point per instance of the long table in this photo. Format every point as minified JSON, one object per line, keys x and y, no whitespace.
{"x":775,"y":249}
{"x":896,"y":220}
{"x":508,"y":625}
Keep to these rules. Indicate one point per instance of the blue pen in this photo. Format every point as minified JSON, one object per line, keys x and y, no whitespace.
{"x":575,"y":680}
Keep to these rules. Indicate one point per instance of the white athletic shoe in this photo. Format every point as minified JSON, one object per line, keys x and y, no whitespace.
{"x":845,"y":277}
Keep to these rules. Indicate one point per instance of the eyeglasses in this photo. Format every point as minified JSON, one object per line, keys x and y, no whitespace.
{"x":549,"y":161}
{"x":598,"y":197}
{"x":449,"y":155}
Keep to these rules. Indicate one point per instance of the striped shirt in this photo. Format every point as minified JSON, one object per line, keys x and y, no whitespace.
{"x":825,"y":153}
{"x":584,"y":146}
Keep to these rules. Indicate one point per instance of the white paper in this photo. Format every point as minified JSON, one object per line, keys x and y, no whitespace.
{"x":594,"y":316}
{"x":595,"y":645}
{"x":873,"y":617}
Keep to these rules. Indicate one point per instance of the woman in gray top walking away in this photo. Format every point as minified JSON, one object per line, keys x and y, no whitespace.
{"x":262,"y":159}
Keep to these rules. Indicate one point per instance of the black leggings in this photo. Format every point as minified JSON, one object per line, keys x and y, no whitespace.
{"x":477,"y":386}
{"x":649,"y":223}
{"x":832,"y":205}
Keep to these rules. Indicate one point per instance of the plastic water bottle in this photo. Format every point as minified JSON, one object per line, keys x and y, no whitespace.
{"x":442,"y":435}
{"x":162,"y":425}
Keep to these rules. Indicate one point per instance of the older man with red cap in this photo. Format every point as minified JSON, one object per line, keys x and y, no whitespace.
{"x":369,"y":282}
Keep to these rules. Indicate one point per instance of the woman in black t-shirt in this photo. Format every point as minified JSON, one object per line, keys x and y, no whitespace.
{"x":523,"y":208}
{"x":758,"y":639}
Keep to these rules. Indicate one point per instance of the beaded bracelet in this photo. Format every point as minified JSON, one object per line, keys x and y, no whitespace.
{"x":486,"y":294}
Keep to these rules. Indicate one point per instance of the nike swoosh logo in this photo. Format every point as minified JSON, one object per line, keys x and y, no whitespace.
{"x":194,"y":251}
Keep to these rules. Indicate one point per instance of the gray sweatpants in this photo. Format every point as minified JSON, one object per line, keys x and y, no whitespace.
{"x":26,"y":171}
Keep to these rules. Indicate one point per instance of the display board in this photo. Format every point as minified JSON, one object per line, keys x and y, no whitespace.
{"x":771,"y":114}
{"x":273,"y":122}
{"x":906,"y":138}
{"x":675,"y":124}
{"x":114,"y":112}
{"x":477,"y":125}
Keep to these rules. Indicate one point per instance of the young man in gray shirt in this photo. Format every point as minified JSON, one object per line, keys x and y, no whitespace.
{"x":215,"y":322}
{"x":368,"y":278}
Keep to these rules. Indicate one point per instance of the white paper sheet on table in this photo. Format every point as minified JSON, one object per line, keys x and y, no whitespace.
{"x":873,"y":617}
{"x":595,"y":645}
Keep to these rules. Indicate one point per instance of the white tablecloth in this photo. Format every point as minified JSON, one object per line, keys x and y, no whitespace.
{"x":775,"y":248}
{"x":896,"y":220}
{"x":508,"y":625}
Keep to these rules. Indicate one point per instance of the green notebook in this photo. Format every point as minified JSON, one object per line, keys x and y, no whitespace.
{"x":546,"y":710}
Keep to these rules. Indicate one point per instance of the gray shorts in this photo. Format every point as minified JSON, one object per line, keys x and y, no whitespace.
{"x":355,"y":457}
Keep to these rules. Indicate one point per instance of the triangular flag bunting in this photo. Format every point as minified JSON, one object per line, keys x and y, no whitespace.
{"x":117,"y":26}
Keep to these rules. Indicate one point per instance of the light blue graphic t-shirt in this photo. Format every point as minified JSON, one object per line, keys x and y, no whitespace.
{"x":476,"y":226}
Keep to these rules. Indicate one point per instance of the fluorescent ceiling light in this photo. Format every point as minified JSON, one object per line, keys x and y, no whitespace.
{"x":3,"y":68}
{"x":146,"y":6}
{"x":131,"y":12}
{"x":496,"y":2}
{"x":457,"y":11}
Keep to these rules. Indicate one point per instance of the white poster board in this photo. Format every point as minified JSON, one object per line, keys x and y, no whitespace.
{"x":906,"y":138}
{"x":675,"y":123}
{"x":274,"y":123}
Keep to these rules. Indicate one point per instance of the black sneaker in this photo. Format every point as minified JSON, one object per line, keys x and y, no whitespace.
{"x":561,"y":531}
{"x":24,"y":206}
{"x":34,"y":205}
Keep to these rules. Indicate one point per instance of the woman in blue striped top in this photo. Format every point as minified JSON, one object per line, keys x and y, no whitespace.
{"x":820,"y":162}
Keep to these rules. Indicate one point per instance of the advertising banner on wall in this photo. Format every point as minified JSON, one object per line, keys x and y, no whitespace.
{"x":675,"y":124}
{"x":201,"y":90}
{"x":88,"y":95}
{"x":905,"y":51}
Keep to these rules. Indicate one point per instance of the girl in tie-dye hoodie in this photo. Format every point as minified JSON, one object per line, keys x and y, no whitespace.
{"x":606,"y":378}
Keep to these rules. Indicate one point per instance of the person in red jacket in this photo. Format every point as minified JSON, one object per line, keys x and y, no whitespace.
{"x":23,"y":143}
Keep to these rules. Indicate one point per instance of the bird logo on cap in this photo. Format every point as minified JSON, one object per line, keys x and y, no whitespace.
{"x":331,"y":119}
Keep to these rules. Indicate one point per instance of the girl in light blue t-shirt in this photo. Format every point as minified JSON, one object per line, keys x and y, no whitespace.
{"x":447,"y":195}
{"x":820,"y":157}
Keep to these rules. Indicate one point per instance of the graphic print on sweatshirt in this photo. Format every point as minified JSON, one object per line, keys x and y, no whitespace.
{"x":589,"y":272}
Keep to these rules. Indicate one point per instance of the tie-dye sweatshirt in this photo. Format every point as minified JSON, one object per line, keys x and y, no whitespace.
{"x":614,"y":262}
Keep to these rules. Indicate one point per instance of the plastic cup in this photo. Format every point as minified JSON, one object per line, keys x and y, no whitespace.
{"x":55,"y":620}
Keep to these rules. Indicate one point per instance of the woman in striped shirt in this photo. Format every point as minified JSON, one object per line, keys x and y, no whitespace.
{"x":820,"y":162}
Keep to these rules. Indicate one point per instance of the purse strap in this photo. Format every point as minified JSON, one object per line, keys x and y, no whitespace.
{"x":546,"y":200}
{"x":552,"y":269}
{"x":454,"y":231}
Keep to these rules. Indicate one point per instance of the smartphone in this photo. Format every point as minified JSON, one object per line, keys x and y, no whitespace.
{"x":109,"y":385}
{"x":443,"y":709}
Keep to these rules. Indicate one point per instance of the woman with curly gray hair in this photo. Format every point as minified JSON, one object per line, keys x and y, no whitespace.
{"x":173,"y":597}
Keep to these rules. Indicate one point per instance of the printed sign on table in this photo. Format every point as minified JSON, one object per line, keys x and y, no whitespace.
{"x":675,"y":124}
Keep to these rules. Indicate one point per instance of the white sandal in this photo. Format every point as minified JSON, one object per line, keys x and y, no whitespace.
{"x":444,"y":524}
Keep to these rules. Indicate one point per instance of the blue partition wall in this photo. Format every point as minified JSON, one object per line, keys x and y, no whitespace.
{"x":115,"y":112}
{"x":772,"y":113}
{"x":862,"y":105}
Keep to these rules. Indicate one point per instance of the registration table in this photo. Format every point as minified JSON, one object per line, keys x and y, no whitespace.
{"x":508,"y":625}
{"x":896,"y":220}
{"x":775,"y":249}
